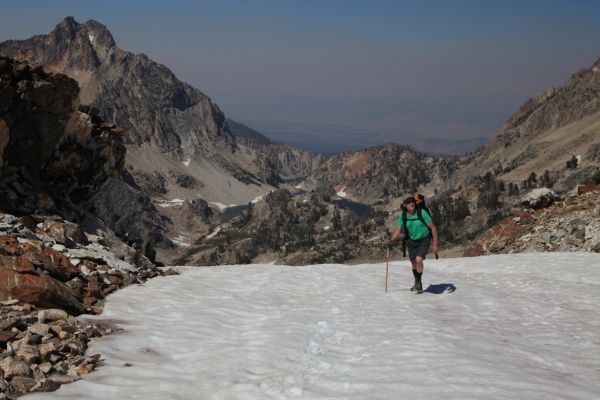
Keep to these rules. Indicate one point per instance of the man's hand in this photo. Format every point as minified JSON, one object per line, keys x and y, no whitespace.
{"x":388,"y":241}
{"x":436,"y":248}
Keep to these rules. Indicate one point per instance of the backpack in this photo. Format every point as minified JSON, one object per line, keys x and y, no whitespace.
{"x":419,"y":207}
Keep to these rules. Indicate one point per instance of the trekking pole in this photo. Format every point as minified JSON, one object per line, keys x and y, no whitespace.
{"x":387,"y":267}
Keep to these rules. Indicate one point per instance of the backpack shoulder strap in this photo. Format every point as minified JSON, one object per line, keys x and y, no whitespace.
{"x":404,"y":231}
{"x":420,"y":216}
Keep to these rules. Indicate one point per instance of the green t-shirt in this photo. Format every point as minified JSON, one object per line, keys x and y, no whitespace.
{"x":416,"y":229}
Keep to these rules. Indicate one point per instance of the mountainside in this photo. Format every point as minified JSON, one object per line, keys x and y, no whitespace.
{"x":57,"y":257}
{"x":170,"y":127}
{"x":179,"y":143}
{"x":553,"y":141}
{"x":278,"y":163}
{"x":381,"y":172}
{"x":544,"y":134}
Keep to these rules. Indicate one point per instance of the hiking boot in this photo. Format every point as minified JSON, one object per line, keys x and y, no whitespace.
{"x":417,"y":287}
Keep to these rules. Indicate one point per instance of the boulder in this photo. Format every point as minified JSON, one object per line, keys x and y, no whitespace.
{"x":40,"y":290}
{"x":23,"y":384}
{"x":539,"y":198}
{"x":588,"y":189}
{"x":13,"y":367}
{"x":52,"y":314}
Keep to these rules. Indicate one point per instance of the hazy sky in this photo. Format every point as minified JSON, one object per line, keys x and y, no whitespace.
{"x":364,"y":71}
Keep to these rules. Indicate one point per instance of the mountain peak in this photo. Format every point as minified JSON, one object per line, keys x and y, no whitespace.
{"x":97,"y":33}
{"x":67,"y":27}
{"x":100,"y":34}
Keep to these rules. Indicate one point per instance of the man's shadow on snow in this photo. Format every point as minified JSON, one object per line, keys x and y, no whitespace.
{"x":440,"y":288}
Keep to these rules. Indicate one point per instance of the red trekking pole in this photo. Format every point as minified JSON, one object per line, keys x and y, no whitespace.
{"x":387,"y":267}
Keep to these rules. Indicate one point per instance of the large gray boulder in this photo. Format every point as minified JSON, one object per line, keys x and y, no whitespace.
{"x":539,"y":198}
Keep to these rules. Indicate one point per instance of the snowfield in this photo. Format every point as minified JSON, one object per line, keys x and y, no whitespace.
{"x":500,"y":327}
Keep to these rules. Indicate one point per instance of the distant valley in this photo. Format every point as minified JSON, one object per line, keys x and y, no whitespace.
{"x":332,"y":138}
{"x":198,"y":187}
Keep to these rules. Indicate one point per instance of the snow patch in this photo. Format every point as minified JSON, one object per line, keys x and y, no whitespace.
{"x":170,"y":203}
{"x":220,"y":206}
{"x":342,"y":193}
{"x":180,"y":241}
{"x":578,"y":159}
{"x":214,"y":233}
{"x":257,"y":199}
{"x":326,"y":228}
{"x":483,"y":329}
{"x":187,"y":162}
{"x":91,"y":37}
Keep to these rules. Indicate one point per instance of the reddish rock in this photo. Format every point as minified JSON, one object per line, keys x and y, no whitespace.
{"x":40,"y":290}
{"x":57,"y":264}
{"x":115,"y":279}
{"x":9,"y":244}
{"x":6,"y":336}
{"x":588,"y":189}
{"x":18,"y":264}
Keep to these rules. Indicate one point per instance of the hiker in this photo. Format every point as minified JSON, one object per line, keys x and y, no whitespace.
{"x":417,"y":228}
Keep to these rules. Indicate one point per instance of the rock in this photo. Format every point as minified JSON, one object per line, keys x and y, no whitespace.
{"x":40,"y":290}
{"x":31,"y":339}
{"x":59,"y":247}
{"x":6,"y":336}
{"x":64,"y":335}
{"x":23,"y":384}
{"x":13,"y":367}
{"x":539,"y":198}
{"x":45,"y":350}
{"x":46,"y":385}
{"x":39,"y":329}
{"x":18,"y":264}
{"x":169,"y":272}
{"x":579,"y":232}
{"x":29,"y":354}
{"x":62,"y":379}
{"x":588,"y":189}
{"x":100,"y":254}
{"x":4,"y":386}
{"x":52,"y":314}
{"x":45,"y":367}
{"x":75,"y":234}
{"x":9,"y":322}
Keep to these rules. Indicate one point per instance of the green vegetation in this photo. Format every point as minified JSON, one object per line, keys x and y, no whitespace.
{"x":594,"y":179}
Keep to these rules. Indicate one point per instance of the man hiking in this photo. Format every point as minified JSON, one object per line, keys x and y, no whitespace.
{"x":417,"y":228}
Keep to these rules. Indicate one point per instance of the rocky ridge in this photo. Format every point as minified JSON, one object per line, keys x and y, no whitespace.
{"x":542,"y":139}
{"x":55,"y":253}
{"x":570,"y":224}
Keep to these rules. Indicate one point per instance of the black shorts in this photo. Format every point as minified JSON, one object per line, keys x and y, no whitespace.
{"x":418,"y":248}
